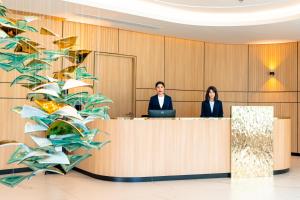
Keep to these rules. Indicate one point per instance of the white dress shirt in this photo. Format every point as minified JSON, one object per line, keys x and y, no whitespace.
{"x":211,"y":103}
{"x":161,"y":100}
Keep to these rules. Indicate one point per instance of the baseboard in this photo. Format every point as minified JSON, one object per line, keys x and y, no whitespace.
{"x":295,"y":154}
{"x":140,"y":179}
{"x":13,"y":171}
{"x":164,"y":178}
{"x":153,"y":178}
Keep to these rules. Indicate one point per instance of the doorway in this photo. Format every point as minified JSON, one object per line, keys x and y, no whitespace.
{"x":116,"y":80}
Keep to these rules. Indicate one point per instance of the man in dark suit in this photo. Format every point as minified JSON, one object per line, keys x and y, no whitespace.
{"x":160,"y":101}
{"x":211,"y":106}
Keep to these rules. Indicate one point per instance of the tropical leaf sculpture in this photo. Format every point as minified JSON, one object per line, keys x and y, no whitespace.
{"x":54,"y":124}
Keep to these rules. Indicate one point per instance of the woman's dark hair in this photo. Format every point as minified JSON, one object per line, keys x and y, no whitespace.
{"x":159,"y":83}
{"x":214,"y":89}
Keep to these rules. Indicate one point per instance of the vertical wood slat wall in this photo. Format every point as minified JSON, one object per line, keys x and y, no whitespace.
{"x":188,"y":67}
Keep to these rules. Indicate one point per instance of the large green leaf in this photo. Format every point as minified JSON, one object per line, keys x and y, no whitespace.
{"x":3,"y":11}
{"x":96,"y":99}
{"x":14,"y":180}
{"x":19,"y":154}
{"x":7,"y":67}
{"x":81,"y":73}
{"x":101,"y":112}
{"x":22,"y":24}
{"x":30,"y":78}
{"x":74,"y":160}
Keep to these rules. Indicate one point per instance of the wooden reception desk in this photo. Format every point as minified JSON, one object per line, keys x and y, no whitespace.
{"x":170,"y":149}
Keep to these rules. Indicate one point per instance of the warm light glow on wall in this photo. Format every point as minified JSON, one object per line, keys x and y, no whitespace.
{"x":273,"y":59}
{"x":273,"y":84}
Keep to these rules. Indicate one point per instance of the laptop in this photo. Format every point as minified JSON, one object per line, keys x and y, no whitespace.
{"x":162,"y":113}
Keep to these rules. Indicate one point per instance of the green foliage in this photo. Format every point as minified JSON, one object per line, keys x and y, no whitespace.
{"x":65,"y":128}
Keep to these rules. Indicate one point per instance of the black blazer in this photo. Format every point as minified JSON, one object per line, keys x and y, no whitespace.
{"x":154,"y":104}
{"x":217,"y":110}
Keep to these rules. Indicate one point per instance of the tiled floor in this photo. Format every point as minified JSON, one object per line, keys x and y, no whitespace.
{"x":75,"y":186}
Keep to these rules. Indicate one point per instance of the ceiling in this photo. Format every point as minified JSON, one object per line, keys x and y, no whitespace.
{"x":216,"y":3}
{"x":224,"y":21}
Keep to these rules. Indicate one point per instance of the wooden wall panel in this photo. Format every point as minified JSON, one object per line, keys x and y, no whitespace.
{"x":149,"y":50}
{"x":280,"y":58}
{"x":177,"y":95}
{"x":187,"y":109}
{"x":226,"y":66}
{"x":141,"y":108}
{"x":233,"y":97}
{"x":12,"y":128}
{"x":298,"y":131}
{"x":15,"y":91}
{"x":92,"y":37}
{"x":298,"y":69}
{"x":184,"y":60}
{"x":279,"y":97}
{"x":286,"y":110}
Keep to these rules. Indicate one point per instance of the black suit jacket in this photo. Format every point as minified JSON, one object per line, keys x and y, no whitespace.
{"x":154,"y":104}
{"x":217,"y":110}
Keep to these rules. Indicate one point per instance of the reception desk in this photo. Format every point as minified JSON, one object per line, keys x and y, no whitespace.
{"x":172,"y":149}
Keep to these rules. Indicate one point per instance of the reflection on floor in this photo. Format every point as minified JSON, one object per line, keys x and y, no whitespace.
{"x":75,"y":186}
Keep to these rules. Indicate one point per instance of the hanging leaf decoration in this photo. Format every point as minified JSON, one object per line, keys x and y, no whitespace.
{"x":53,"y":111}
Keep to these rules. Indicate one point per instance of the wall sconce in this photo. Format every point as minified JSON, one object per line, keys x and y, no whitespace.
{"x":272,"y":73}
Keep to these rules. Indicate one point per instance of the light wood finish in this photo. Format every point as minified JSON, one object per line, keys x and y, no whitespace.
{"x":187,"y":109}
{"x":91,"y":37}
{"x":184,"y":60}
{"x":143,"y":148}
{"x":11,"y":131}
{"x":298,"y":66}
{"x":280,"y":58}
{"x":177,"y":95}
{"x":233,"y":96}
{"x":226,"y":66}
{"x":280,"y":97}
{"x":15,"y":91}
{"x":141,"y":108}
{"x":116,"y":74}
{"x":149,"y":50}
{"x":286,"y":110}
{"x":282,"y":144}
{"x":298,"y":135}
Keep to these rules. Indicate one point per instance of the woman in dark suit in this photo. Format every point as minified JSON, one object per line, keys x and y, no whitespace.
{"x":160,"y":101}
{"x":211,"y":107}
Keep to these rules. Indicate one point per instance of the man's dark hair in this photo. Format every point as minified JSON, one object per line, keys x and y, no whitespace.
{"x":159,"y":83}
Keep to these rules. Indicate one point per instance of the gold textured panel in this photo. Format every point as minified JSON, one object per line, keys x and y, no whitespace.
{"x":252,"y":141}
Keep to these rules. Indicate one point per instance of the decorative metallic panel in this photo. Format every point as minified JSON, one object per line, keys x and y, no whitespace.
{"x":252,"y":141}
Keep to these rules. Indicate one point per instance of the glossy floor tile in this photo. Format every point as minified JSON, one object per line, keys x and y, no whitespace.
{"x":76,"y":186}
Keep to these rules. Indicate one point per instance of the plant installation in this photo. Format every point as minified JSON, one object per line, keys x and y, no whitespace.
{"x":56,"y":118}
